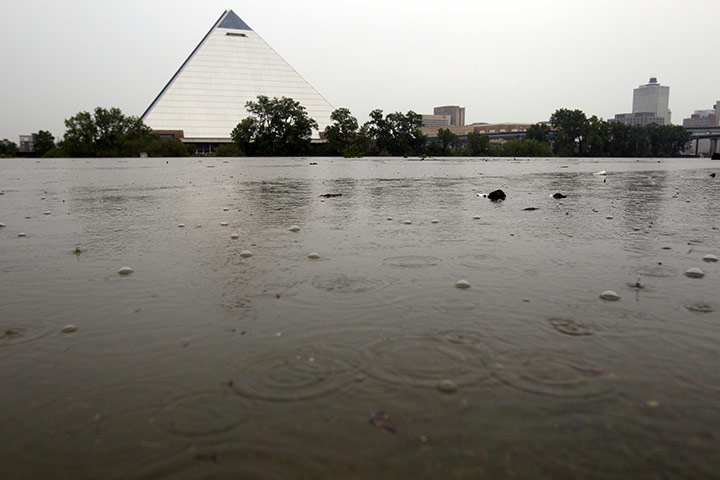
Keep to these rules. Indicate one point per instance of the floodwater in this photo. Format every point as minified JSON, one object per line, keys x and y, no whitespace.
{"x":366,"y":362}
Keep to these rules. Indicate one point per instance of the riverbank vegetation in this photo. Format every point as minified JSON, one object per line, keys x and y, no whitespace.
{"x":282,"y":127}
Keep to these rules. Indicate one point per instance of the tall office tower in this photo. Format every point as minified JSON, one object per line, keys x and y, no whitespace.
{"x":231,"y":65}
{"x":652,"y":98}
{"x":457,"y":114}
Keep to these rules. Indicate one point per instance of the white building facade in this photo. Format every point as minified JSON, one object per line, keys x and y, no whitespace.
{"x":652,"y":98}
{"x":232,"y":65}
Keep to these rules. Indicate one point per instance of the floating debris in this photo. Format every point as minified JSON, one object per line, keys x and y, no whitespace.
{"x":408,"y":222}
{"x":497,"y":195}
{"x":181,"y":225}
{"x":707,"y":258}
{"x":694,"y":272}
{"x":600,"y":173}
{"x":226,"y":209}
{"x":382,"y":420}
{"x":389,"y":218}
{"x":530,"y":209}
{"x":559,"y":195}
{"x":21,"y":234}
{"x":223,"y":224}
{"x":313,"y":256}
{"x":235,"y":236}
{"x":77,"y":251}
{"x":294,"y":228}
{"x":609,"y":217}
{"x":700,"y":307}
{"x":2,"y":225}
{"x":246,"y":253}
{"x":331,"y":195}
{"x":447,"y":386}
{"x":477,"y":217}
{"x":609,"y":295}
{"x":434,"y":220}
{"x":125,"y":271}
{"x":69,"y":329}
{"x":462,"y":284}
{"x":47,"y":213}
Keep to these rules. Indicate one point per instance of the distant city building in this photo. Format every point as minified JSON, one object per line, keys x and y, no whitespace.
{"x":704,"y":118}
{"x":650,"y":105}
{"x":231,"y":65}
{"x":27,"y":143}
{"x":457,"y":114}
{"x":483,"y":129}
{"x":438,"y":121}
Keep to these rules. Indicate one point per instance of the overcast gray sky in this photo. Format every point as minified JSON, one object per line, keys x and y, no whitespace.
{"x":505,"y":61}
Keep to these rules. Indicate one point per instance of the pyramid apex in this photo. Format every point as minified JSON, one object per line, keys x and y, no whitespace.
{"x":231,"y":20}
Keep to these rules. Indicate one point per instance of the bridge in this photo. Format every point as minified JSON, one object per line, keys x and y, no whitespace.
{"x":702,"y":133}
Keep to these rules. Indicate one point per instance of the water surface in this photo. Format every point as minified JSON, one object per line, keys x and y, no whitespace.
{"x":206,"y":364}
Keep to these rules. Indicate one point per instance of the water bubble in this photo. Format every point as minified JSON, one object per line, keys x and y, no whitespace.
{"x":708,"y":258}
{"x":294,"y":228}
{"x":69,"y":329}
{"x":246,"y":253}
{"x":125,"y":271}
{"x":313,"y":256}
{"x":694,"y":272}
{"x":462,"y":284}
{"x":609,"y":295}
{"x":447,"y":386}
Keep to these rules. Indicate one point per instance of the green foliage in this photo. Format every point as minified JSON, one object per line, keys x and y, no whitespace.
{"x":44,"y":142}
{"x":353,"y":151}
{"x":228,"y":150}
{"x":8,"y":149}
{"x":449,"y":142}
{"x":478,"y":145}
{"x":397,"y":134}
{"x":539,"y":132}
{"x":105,"y":133}
{"x":578,"y":135}
{"x":342,"y":133}
{"x":275,"y":127}
{"x":571,"y":126}
{"x":168,"y":147}
{"x":523,"y":148}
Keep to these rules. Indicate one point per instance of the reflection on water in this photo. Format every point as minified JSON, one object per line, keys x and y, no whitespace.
{"x":204,"y":363}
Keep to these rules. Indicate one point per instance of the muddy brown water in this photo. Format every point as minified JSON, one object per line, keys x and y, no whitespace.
{"x":203,"y":363}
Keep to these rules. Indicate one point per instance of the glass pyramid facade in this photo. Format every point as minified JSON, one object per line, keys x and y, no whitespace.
{"x":206,"y":97}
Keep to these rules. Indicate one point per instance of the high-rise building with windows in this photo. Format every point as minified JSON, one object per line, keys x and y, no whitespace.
{"x":457,"y":114}
{"x":650,"y":105}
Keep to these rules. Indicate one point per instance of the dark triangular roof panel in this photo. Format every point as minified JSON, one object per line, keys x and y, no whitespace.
{"x":233,"y":21}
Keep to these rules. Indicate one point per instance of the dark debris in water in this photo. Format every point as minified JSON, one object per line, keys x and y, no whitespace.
{"x":497,"y":195}
{"x":530,"y":209}
{"x":11,"y":333}
{"x":331,"y":195}
{"x":700,"y":307}
{"x":208,"y":457}
{"x":381,"y":419}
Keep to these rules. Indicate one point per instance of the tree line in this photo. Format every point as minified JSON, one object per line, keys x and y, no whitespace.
{"x":282,"y":127}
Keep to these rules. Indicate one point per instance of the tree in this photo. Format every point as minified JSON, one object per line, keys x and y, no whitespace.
{"x":397,"y":134}
{"x":539,"y":132}
{"x":449,"y":142}
{"x":572,"y":129}
{"x":275,"y":127}
{"x":8,"y":148}
{"x":105,"y":133}
{"x":44,"y":142}
{"x":478,"y":145}
{"x":524,"y":148}
{"x":342,"y":133}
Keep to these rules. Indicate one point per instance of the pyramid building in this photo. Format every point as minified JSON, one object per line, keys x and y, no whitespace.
{"x":231,"y":65}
